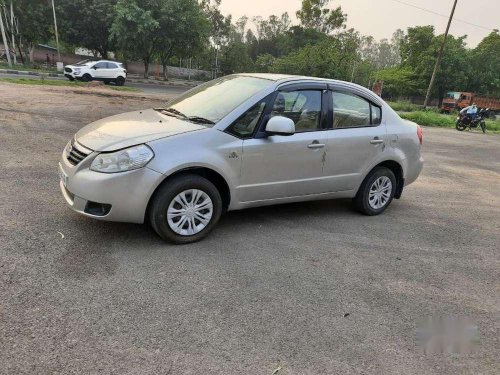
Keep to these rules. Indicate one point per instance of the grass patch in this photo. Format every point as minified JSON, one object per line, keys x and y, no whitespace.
{"x":39,"y":69}
{"x":429,"y":118}
{"x":403,"y":106}
{"x":53,"y":82}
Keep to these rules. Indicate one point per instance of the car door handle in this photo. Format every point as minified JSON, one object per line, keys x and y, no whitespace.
{"x":315,"y":145}
{"x":376,"y":141}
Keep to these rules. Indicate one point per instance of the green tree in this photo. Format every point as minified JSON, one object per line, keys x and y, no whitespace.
{"x":35,"y":23}
{"x":135,"y":30}
{"x":419,"y":50}
{"x":399,"y":81}
{"x":183,"y":30}
{"x":485,"y":64}
{"x":235,"y":58}
{"x":87,"y":23}
{"x":333,"y":57}
{"x":314,"y":14}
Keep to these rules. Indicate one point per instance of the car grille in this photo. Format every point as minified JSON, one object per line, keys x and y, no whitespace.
{"x":68,"y":70}
{"x":77,"y":153}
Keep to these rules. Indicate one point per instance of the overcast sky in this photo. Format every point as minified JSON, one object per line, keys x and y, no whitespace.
{"x":380,"y":18}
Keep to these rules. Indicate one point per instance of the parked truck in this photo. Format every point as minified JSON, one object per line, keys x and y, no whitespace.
{"x":456,"y":100}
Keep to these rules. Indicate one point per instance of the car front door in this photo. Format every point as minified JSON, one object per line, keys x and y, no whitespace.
{"x":100,"y":70}
{"x":356,"y":138}
{"x":277,"y":166}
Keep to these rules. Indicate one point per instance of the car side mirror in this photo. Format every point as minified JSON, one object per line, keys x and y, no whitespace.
{"x":279,"y":125}
{"x":95,"y":67}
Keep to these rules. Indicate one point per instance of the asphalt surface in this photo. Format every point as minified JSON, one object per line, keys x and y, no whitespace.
{"x":150,"y":88}
{"x":310,"y":288}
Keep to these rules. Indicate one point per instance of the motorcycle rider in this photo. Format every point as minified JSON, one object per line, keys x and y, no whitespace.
{"x":470,"y":111}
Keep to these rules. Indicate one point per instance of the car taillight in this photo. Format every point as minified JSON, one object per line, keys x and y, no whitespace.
{"x":420,"y":134}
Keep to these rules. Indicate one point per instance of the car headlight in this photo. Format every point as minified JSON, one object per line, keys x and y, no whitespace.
{"x":123,"y":160}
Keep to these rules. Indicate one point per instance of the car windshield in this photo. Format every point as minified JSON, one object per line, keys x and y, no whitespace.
{"x":85,"y":62}
{"x":214,"y":100}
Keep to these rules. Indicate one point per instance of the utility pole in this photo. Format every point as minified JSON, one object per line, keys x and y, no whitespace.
{"x":440,"y":55}
{"x":4,"y":38}
{"x":55,"y":29}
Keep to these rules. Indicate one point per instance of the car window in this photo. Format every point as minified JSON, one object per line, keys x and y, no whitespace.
{"x":244,"y":127}
{"x":350,"y":111}
{"x":303,"y":107}
{"x":376,"y":114}
{"x":112,"y":65}
{"x":100,"y":65}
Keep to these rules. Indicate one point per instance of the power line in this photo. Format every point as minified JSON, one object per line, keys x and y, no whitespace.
{"x":441,"y":15}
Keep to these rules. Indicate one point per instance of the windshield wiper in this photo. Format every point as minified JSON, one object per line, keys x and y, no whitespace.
{"x":171,"y":110}
{"x":200,"y":120}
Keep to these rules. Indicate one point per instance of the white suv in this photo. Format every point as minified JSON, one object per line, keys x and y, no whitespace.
{"x":102,"y":70}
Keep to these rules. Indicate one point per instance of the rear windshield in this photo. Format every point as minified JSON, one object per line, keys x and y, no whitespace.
{"x":216,"y":99}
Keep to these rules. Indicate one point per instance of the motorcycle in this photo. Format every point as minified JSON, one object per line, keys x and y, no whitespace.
{"x":465,"y":121}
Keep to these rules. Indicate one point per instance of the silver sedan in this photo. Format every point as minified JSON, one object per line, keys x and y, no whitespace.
{"x":241,"y":141}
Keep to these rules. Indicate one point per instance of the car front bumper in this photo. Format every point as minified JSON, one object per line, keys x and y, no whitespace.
{"x":120,"y":196}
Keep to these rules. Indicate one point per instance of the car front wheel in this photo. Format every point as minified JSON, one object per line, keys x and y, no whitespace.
{"x":376,"y":191}
{"x":185,"y":209}
{"x":120,"y":81}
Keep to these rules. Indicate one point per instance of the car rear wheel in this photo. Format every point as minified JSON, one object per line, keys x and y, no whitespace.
{"x":376,"y":192}
{"x":120,"y":81}
{"x":185,"y":209}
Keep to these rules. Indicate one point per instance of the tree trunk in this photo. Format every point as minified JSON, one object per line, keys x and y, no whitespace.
{"x":146,"y":68}
{"x":441,"y":95}
{"x":32,"y":54}
{"x":165,"y":72}
{"x":20,"y":53}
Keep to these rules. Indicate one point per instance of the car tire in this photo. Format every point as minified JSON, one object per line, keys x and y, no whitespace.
{"x":376,"y":192}
{"x":106,"y":82}
{"x":173,"y":214}
{"x":120,"y":81}
{"x":71,"y":79}
{"x":86,"y":78}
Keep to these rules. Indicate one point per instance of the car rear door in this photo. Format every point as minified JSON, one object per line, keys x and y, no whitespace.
{"x":112,"y":70}
{"x":356,"y":137}
{"x":275,"y":167}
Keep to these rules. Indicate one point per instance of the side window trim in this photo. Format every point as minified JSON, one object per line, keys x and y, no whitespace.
{"x":268,"y":101}
{"x":348,"y":92}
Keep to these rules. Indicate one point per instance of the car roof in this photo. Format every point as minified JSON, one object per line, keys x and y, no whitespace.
{"x":283,"y":78}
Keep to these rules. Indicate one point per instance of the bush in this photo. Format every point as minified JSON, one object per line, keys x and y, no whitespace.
{"x":429,"y":118}
{"x":403,"y":106}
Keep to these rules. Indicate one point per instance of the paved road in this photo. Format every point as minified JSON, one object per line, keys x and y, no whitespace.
{"x":313,"y":288}
{"x":144,"y":87}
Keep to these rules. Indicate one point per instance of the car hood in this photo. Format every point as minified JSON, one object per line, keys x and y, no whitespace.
{"x":131,"y":128}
